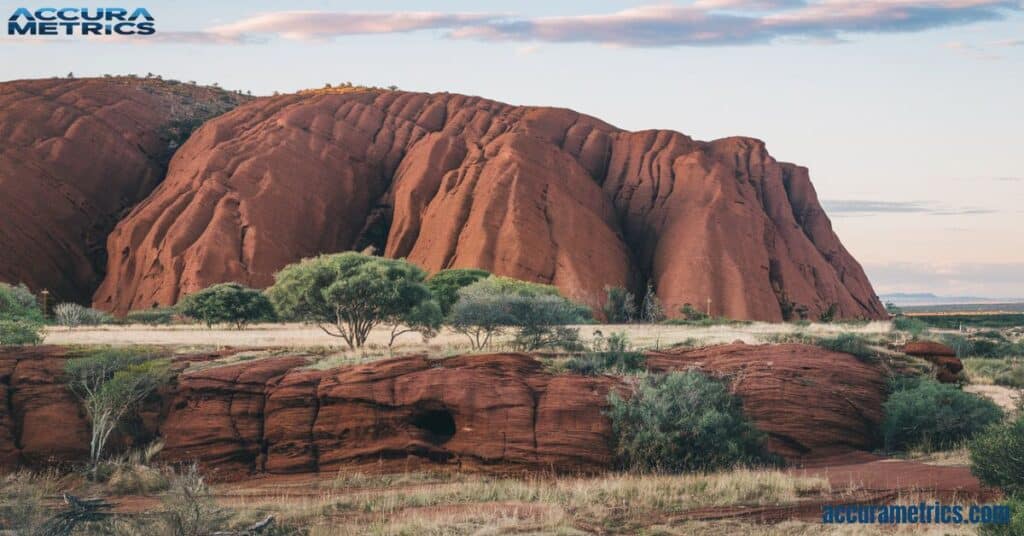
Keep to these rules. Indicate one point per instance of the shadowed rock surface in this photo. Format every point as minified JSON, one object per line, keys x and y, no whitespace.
{"x":77,"y":154}
{"x":448,"y":181}
{"x":493,"y":413}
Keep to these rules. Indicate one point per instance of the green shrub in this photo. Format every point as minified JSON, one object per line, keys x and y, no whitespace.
{"x":620,"y":306}
{"x":849,"y":343}
{"x":1016,"y":525}
{"x":73,"y":315}
{"x":691,"y":313}
{"x":19,"y":332}
{"x":997,"y":456}
{"x":154,"y":316}
{"x":828,"y":315}
{"x":683,"y":421}
{"x":983,"y":346}
{"x":18,"y":303}
{"x":445,"y":285}
{"x":915,"y":327}
{"x":934,"y":416}
{"x":229,"y":303}
{"x":611,"y":354}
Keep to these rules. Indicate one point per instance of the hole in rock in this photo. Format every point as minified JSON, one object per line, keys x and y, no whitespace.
{"x":437,"y":423}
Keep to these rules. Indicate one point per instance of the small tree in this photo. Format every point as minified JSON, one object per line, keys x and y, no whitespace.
{"x":227,"y":303}
{"x":347,"y":294}
{"x":538,"y":313}
{"x":652,"y":312}
{"x":112,"y":384}
{"x":445,"y":285}
{"x":620,"y":308}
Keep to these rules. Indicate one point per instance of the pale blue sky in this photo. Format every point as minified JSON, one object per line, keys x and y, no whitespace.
{"x":908,"y":112}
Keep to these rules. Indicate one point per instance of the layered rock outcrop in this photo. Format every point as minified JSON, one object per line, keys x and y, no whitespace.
{"x":811,"y":402}
{"x":947,"y":364}
{"x":495,"y":413}
{"x":75,"y":156}
{"x":541,"y":194}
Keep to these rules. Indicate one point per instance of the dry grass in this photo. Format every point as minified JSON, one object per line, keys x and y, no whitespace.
{"x":299,"y":336}
{"x":431,"y":503}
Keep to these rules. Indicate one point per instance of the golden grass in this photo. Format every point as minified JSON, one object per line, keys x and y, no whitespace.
{"x":451,"y":503}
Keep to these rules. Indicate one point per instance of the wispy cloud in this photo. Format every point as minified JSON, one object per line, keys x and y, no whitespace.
{"x":701,"y":23}
{"x":320,"y":24}
{"x":861,"y":207}
{"x":728,"y":22}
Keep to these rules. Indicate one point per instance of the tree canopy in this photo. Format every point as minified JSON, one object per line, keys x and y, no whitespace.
{"x":347,"y":294}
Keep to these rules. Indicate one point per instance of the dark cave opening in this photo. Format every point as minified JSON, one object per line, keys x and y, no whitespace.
{"x":439,"y":424}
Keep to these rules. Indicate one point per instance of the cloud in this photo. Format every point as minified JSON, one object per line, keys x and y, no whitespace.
{"x":861,"y":207}
{"x":715,"y":22}
{"x":701,"y":23}
{"x":998,"y":280}
{"x":305,"y":25}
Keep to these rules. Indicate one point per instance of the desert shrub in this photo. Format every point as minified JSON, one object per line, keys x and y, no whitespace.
{"x":73,"y":315}
{"x":651,"y":311}
{"x":137,"y":480}
{"x":829,"y":314}
{"x":692,"y":314}
{"x":620,"y":305}
{"x":538,"y":313}
{"x":20,"y":332}
{"x":610,"y":354}
{"x":445,"y":285}
{"x":18,"y":303}
{"x":683,"y":421}
{"x":133,"y":473}
{"x":934,"y":416}
{"x":189,"y":508}
{"x":915,"y":327}
{"x":112,"y":383}
{"x":997,"y":456}
{"x":154,"y":316}
{"x":1016,"y":525}
{"x":23,"y":498}
{"x":983,"y":346}
{"x":227,"y":303}
{"x":347,"y":294}
{"x":848,"y":343}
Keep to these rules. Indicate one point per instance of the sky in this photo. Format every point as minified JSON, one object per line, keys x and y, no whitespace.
{"x":909,"y":113}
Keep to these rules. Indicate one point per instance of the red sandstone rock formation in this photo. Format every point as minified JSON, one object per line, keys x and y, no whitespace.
{"x":947,"y":365}
{"x":811,"y":402}
{"x":493,"y":413}
{"x":75,"y":155}
{"x":541,"y":194}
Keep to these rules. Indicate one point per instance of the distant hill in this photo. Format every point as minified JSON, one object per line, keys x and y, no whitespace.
{"x":913,"y":299}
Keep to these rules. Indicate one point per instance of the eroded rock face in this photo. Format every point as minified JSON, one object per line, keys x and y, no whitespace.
{"x":494,"y":413}
{"x":448,"y":181}
{"x":811,"y":402}
{"x":75,"y":155}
